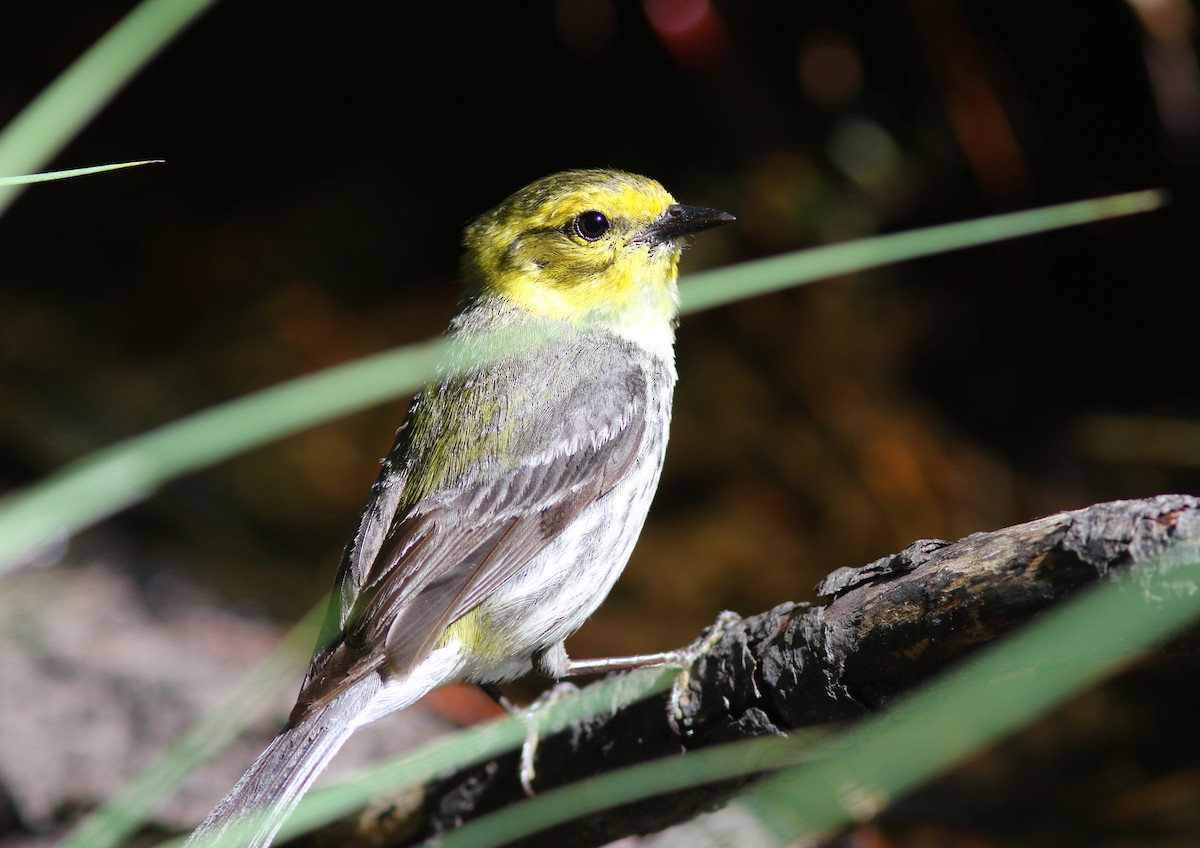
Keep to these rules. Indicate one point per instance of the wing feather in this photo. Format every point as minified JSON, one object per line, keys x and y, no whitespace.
{"x":454,"y":547}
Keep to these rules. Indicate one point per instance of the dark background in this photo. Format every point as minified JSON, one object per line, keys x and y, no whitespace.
{"x":321,"y":163}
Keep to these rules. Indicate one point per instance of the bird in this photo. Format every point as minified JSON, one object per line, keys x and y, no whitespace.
{"x":517,"y":485}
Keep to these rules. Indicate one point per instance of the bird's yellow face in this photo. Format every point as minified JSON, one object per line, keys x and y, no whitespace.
{"x":587,"y":247}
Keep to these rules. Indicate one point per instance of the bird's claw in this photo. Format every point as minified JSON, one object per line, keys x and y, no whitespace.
{"x":685,"y":659}
{"x":530,"y":715}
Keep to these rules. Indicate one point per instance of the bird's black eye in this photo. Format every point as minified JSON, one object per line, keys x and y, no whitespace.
{"x":590,"y":226}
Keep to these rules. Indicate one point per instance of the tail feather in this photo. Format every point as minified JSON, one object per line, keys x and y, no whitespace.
{"x":254,"y":810}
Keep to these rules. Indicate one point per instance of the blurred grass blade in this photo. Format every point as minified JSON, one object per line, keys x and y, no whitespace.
{"x":48,"y":176}
{"x":856,"y":774}
{"x":987,"y":698}
{"x":122,"y":474}
{"x":473,"y":745}
{"x":634,"y":783}
{"x":65,"y":106}
{"x":123,"y":814}
{"x":726,"y":285}
{"x":119,"y":476}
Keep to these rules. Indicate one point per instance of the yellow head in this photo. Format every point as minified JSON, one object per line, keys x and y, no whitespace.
{"x":592,"y":248}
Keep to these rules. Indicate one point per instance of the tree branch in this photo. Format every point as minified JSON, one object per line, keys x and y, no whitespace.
{"x":877,"y":632}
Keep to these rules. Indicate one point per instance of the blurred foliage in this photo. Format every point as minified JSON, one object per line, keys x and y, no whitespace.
{"x":320,"y":167}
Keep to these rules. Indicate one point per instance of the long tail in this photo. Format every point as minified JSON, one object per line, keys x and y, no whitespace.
{"x":254,"y":810}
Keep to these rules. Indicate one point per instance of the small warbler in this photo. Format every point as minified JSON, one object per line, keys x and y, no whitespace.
{"x":518,"y":483}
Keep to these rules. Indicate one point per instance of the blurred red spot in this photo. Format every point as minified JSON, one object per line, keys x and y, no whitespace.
{"x":690,"y":30}
{"x":462,"y":704}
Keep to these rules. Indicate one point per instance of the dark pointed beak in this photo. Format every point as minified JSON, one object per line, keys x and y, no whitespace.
{"x":679,"y":221}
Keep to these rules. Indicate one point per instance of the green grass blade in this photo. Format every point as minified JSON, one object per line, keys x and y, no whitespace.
{"x":630,"y":784}
{"x":473,"y":745}
{"x":987,"y":698}
{"x":116,"y":477}
{"x":48,"y":176}
{"x":125,"y":473}
{"x":64,"y":107}
{"x":123,"y":814}
{"x":737,"y":282}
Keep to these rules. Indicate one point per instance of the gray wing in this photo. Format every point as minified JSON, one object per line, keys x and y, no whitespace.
{"x":443,"y":554}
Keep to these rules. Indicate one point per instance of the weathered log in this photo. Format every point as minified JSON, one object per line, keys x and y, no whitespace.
{"x":877,"y":632}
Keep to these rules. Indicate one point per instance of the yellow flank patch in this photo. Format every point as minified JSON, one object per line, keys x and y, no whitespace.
{"x":471,"y":631}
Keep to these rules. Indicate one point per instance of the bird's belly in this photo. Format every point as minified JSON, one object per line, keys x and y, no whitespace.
{"x":560,"y":588}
